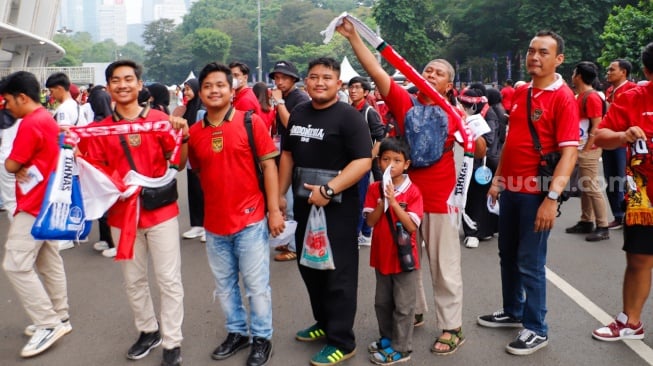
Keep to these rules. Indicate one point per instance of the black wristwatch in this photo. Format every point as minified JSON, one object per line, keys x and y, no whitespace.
{"x":329,"y":191}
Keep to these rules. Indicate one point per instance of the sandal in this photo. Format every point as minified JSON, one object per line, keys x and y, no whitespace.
{"x":377,"y":346}
{"x":389,"y":356}
{"x":285,"y":256}
{"x":457,"y":339}
{"x":281,"y":248}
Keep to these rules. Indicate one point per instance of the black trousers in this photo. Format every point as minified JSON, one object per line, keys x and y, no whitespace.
{"x":195,"y":199}
{"x":333,"y":293}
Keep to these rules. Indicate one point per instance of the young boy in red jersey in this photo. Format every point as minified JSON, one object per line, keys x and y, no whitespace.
{"x":394,"y":300}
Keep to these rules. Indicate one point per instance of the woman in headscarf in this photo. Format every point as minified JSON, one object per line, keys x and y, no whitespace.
{"x":195,"y":195}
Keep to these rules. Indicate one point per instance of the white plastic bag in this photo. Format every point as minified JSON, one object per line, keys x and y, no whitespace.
{"x":317,"y":249}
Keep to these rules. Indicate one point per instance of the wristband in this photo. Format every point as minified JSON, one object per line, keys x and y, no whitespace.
{"x":185,"y":139}
{"x":280,"y":101}
{"x":323,"y":193}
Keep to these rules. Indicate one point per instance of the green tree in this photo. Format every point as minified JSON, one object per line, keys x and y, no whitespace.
{"x":132,"y":51}
{"x":626,"y":31}
{"x":208,"y":45}
{"x":163,"y":61}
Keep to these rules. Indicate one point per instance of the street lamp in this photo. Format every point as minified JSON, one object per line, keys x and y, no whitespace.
{"x":64,"y":30}
{"x":260,"y":58}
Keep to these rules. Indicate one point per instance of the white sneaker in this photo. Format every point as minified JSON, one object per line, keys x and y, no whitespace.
{"x":471,"y":242}
{"x":31,"y":329}
{"x":42,"y":339}
{"x":101,"y":245}
{"x":364,"y":240}
{"x":109,"y":253}
{"x":194,"y":232}
{"x":203,"y":238}
{"x":65,"y":244}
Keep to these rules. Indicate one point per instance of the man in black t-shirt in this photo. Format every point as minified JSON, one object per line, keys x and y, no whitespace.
{"x":285,"y":97}
{"x":327,"y":134}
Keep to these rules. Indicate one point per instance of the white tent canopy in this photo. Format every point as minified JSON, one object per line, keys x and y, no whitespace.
{"x":346,"y":71}
{"x":191,"y":75}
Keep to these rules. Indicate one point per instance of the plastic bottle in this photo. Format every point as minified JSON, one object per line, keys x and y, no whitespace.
{"x":405,"y":249}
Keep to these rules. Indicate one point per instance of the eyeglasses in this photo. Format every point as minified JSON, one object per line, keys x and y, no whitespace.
{"x":355,"y":87}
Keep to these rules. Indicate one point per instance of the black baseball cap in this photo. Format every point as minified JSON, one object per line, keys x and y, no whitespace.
{"x":286,"y":68}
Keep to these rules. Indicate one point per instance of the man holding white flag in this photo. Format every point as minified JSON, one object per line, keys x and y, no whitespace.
{"x":33,"y":158}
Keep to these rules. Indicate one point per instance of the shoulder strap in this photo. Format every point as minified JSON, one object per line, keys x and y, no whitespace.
{"x":79,"y":111}
{"x":531,"y":127}
{"x":367,"y":111}
{"x":252,"y":146}
{"x":128,"y":155}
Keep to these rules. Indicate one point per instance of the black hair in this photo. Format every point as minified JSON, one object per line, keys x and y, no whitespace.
{"x":395,"y":144}
{"x":474,"y":93}
{"x":360,"y":80}
{"x":161,"y":97}
{"x":624,"y":65}
{"x":260,"y":89}
{"x":587,"y":71}
{"x":327,"y":62}
{"x":58,"y":79}
{"x":21,"y":82}
{"x":216,"y":67}
{"x":647,"y":57}
{"x":560,"y":43}
{"x":138,"y":69}
{"x":509,"y":82}
{"x":479,"y":86}
{"x":241,"y":66}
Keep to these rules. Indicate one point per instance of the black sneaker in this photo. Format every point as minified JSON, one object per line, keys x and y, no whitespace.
{"x":498,"y":319}
{"x":145,"y":343}
{"x":260,"y":353}
{"x":171,"y":357}
{"x":419,"y":320}
{"x":527,"y":342}
{"x":581,"y":227}
{"x":601,"y":233}
{"x":616,"y":224}
{"x":234,"y":343}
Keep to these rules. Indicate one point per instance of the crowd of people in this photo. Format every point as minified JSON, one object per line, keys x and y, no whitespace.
{"x":535,"y":134}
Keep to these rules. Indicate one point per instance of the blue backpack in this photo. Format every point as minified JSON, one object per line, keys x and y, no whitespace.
{"x":426,"y":129}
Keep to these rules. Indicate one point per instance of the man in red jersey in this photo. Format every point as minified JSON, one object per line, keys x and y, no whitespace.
{"x":157,"y":234}
{"x":549,"y":105}
{"x":244,"y":98}
{"x":35,"y":153}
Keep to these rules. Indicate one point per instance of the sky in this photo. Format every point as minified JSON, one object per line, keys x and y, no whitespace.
{"x":133,"y":11}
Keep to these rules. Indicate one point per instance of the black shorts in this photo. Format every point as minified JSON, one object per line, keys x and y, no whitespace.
{"x":637,"y":239}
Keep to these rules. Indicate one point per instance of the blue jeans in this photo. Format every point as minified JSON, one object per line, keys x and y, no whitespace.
{"x":246,"y":252}
{"x":522,"y":252}
{"x":614,"y":166}
{"x":363,"y":185}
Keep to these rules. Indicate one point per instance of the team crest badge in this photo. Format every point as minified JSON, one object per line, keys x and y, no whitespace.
{"x":134,"y":139}
{"x":536,"y":115}
{"x":216,"y":144}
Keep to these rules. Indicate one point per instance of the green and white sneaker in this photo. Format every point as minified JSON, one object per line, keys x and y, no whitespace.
{"x":330,"y":355}
{"x":310,"y":334}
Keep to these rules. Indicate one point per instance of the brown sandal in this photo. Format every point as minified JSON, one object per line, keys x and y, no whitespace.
{"x":281,"y":248}
{"x":285,"y":256}
{"x":457,"y":339}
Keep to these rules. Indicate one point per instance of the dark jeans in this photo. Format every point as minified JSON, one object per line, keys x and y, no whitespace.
{"x":363,"y":185}
{"x":105,"y":230}
{"x":195,"y":199}
{"x":614,"y":171}
{"x":522,"y":254}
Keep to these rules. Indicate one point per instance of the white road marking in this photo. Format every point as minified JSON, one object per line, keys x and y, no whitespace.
{"x":638,"y":346}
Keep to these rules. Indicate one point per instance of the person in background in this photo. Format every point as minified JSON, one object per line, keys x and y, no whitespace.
{"x":614,"y":160}
{"x":34,"y":267}
{"x":244,"y":98}
{"x":159,"y":97}
{"x":359,"y":89}
{"x":268,"y":112}
{"x":630,"y":122}
{"x":506,"y":95}
{"x":194,"y":112}
{"x":590,"y":110}
{"x":285,"y":97}
{"x":68,"y":113}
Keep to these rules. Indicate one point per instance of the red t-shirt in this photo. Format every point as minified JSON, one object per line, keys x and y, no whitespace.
{"x":222,"y":155}
{"x":246,"y":100}
{"x":555,"y":116}
{"x":592,"y":107}
{"x":36,"y":144}
{"x":148,"y":151}
{"x":383,"y":253}
{"x":507,"y":93}
{"x":635,"y":108}
{"x":612,"y":93}
{"x":436,"y":181}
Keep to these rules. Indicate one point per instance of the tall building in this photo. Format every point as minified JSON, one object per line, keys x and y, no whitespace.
{"x":112,"y":21}
{"x":26,"y":30}
{"x":170,"y":9}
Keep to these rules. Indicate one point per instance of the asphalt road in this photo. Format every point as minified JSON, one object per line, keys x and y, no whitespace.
{"x":103,"y":327}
